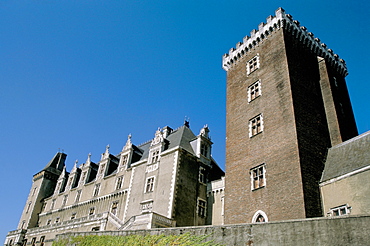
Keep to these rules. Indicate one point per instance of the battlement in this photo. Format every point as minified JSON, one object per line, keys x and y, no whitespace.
{"x":293,"y":27}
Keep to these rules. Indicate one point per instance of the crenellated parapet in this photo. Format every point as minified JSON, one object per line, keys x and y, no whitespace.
{"x":292,"y":27}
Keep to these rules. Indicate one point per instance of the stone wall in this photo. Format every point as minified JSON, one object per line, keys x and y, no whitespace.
{"x":346,"y":230}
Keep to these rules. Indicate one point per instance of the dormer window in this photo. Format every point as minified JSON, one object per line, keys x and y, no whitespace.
{"x":124,"y":160}
{"x":204,"y":149}
{"x":154,"y":156}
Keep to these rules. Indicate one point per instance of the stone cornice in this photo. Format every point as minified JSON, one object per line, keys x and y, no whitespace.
{"x":292,"y":27}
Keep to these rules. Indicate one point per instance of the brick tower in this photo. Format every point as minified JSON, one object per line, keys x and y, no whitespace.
{"x":287,"y":103}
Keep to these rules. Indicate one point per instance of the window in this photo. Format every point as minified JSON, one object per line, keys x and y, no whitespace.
{"x":149,"y":187}
{"x":33,"y":241}
{"x":28,"y":207}
{"x":259,"y":217}
{"x":65,"y":198}
{"x":114,"y":208}
{"x":43,"y":207}
{"x":96,"y":190}
{"x":92,"y":211}
{"x":204,"y":149}
{"x":254,"y":91}
{"x":258,"y":179}
{"x":34,"y":191}
{"x":201,"y":208}
{"x":57,"y":220}
{"x":78,"y":195}
{"x":48,"y":222}
{"x":124,"y":160}
{"x":155,"y":156}
{"x":202,"y":175}
{"x":42,"y":239}
{"x":23,"y":223}
{"x":24,"y":242}
{"x":97,"y":228}
{"x":102,"y":169}
{"x":52,"y":204}
{"x":73,"y":216}
{"x":255,"y":125}
{"x":119,"y":182}
{"x":253,"y":64}
{"x":340,"y":210}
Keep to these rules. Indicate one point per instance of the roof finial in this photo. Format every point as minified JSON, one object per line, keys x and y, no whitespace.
{"x":106,"y":153}
{"x":187,"y":121}
{"x":128,"y":143}
{"x":88,"y":161}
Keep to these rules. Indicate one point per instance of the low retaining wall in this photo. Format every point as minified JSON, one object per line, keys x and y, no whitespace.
{"x":348,"y":230}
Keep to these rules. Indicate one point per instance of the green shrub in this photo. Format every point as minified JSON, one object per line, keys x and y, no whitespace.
{"x":137,"y":240}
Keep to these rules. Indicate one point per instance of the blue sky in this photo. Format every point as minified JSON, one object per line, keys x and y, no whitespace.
{"x":78,"y":75}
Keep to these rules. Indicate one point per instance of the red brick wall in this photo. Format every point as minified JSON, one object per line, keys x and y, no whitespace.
{"x":276,"y":146}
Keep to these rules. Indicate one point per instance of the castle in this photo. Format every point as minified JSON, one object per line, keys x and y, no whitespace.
{"x":291,"y":144}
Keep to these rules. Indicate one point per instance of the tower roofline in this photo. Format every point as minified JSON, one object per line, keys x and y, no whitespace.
{"x":293,"y":27}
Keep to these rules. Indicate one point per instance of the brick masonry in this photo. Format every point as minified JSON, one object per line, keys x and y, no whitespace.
{"x":296,"y":133}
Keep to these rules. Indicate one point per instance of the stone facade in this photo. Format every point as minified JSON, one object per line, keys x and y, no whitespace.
{"x":161,"y":183}
{"x":287,"y":103}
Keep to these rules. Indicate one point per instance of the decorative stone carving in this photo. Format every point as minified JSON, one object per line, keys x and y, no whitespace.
{"x":158,"y":138}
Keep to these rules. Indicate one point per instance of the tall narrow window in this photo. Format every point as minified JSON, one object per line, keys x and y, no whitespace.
{"x":92,"y":211}
{"x":255,"y":125}
{"x":52,"y":204}
{"x":28,"y":207}
{"x":42,"y":239}
{"x":114,"y":208}
{"x":149,"y":186}
{"x":34,"y":191}
{"x":119,"y":182}
{"x":258,"y":178}
{"x":204,"y":149}
{"x":65,"y":198}
{"x":33,"y":241}
{"x":201,"y":207}
{"x":202,"y":175}
{"x":254,"y":91}
{"x":73,"y":216}
{"x":96,"y":190}
{"x":253,"y":64}
{"x":78,"y":195}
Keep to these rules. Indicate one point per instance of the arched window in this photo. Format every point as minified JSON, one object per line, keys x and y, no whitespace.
{"x":259,"y":217}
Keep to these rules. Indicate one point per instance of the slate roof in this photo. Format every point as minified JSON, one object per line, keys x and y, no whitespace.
{"x":179,"y":137}
{"x":348,"y":156}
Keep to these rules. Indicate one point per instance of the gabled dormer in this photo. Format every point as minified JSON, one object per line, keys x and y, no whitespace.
{"x":74,"y":177}
{"x":126,"y":155}
{"x":103,"y":163}
{"x":88,"y":171}
{"x":62,"y":181}
{"x":202,"y":145}
{"x":157,"y":145}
